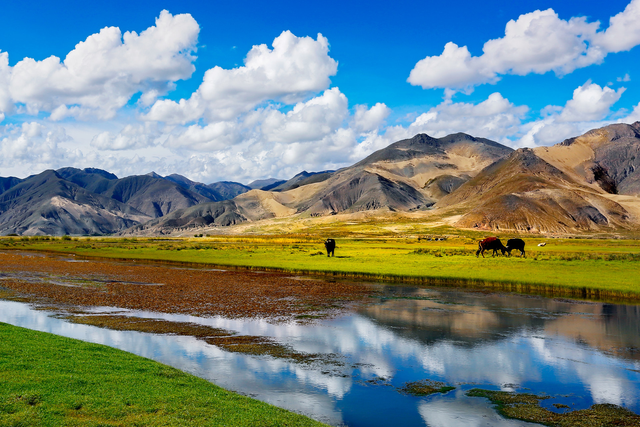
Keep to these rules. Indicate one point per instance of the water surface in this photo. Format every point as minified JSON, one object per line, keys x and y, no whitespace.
{"x":579,"y":353}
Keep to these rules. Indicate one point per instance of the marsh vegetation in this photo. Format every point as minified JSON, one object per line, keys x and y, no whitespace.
{"x":583,"y":268}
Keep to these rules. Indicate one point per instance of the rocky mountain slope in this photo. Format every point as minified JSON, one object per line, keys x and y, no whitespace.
{"x":526,"y":193}
{"x":587,"y":183}
{"x":49,"y":204}
{"x":408,"y":175}
{"x":93,"y":201}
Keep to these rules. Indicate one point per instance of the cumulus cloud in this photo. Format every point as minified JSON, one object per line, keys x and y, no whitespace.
{"x":133,"y":136}
{"x":590,"y":102}
{"x":548,"y":131}
{"x":369,"y":119}
{"x":494,"y":118}
{"x":623,"y":33}
{"x":6,"y":105}
{"x":589,"y":106}
{"x":214,"y":136}
{"x":454,"y":68}
{"x":314,"y":135}
{"x":102,"y":73}
{"x":31,"y":148}
{"x":309,"y":134}
{"x":536,"y":42}
{"x":308,"y":121}
{"x":295,"y":68}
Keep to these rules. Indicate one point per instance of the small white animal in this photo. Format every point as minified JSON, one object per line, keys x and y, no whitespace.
{"x":542,"y":244}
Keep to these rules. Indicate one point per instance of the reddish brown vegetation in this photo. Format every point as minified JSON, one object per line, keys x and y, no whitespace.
{"x":165,"y":289}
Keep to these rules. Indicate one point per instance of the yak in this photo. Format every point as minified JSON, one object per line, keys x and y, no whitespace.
{"x":330,"y":246}
{"x":515,"y":244}
{"x":490,"y":243}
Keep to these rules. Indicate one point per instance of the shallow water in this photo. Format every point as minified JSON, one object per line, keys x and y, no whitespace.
{"x":580,"y":353}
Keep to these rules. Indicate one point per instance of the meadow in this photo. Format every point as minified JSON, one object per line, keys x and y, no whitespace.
{"x":581,"y":268}
{"x":48,"y":380}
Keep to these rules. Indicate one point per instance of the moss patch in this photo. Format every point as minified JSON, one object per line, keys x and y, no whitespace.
{"x":526,"y":407}
{"x":425,"y":387}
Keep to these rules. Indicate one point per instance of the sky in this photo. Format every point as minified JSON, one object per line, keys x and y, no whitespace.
{"x":246,"y":90}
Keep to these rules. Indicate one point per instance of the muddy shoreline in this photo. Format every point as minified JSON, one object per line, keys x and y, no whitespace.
{"x":194,"y":291}
{"x":520,"y":287}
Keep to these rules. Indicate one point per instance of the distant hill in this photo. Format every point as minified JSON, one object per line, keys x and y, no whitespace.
{"x":301,"y":179}
{"x":609,"y":156}
{"x":228,"y":189}
{"x":49,"y":204}
{"x":261,"y":184}
{"x":87,"y":201}
{"x":589,"y":183}
{"x":524,"y":192}
{"x":408,"y":175}
{"x":149,"y":194}
{"x":7,"y":183}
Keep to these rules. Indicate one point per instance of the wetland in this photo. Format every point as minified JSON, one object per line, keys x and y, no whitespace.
{"x":345,"y":353}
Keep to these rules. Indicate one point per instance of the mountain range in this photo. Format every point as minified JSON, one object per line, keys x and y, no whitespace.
{"x":587,"y":183}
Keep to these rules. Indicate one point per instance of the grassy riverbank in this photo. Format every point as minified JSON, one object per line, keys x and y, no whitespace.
{"x":48,"y":380}
{"x":573,"y":267}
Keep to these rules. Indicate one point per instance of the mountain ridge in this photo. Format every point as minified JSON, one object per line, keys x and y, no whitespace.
{"x":588,"y":183}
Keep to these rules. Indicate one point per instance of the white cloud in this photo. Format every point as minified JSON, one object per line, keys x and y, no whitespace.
{"x":369,"y":119}
{"x":590,"y":102}
{"x":632,"y":117}
{"x":454,"y":68}
{"x":310,"y":135}
{"x":623,"y":32}
{"x":548,"y":131}
{"x":133,"y":136}
{"x":214,"y":136}
{"x":295,"y":68}
{"x":494,"y":118}
{"x":626,"y":78}
{"x":6,"y":105}
{"x":31,"y":148}
{"x":309,"y":121}
{"x":589,"y":106}
{"x":537,"y":42}
{"x":102,"y":73}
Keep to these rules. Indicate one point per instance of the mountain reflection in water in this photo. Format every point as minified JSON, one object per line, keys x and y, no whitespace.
{"x":580,"y":353}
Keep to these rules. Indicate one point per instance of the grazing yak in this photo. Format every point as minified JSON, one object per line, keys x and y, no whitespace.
{"x":490,"y":243}
{"x":330,"y":246}
{"x":515,"y":244}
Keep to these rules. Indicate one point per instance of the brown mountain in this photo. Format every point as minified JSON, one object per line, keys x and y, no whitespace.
{"x":608,"y":157}
{"x":586,"y":183}
{"x":524,"y":192}
{"x":49,"y":204}
{"x":408,"y":175}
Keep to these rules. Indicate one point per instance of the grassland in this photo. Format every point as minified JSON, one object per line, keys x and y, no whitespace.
{"x":589,"y":268}
{"x":49,"y":380}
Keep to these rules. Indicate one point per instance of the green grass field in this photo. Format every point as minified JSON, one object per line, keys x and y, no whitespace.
{"x":578,"y":267}
{"x":48,"y":380}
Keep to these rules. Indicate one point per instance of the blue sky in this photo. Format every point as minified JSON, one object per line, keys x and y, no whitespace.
{"x":248,"y":90}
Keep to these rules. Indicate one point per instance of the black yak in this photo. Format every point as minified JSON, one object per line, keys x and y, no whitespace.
{"x":490,"y":243}
{"x":330,"y":245}
{"x":515,"y":244}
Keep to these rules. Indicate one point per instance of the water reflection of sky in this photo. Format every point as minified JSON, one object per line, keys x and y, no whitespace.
{"x":588,"y":353}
